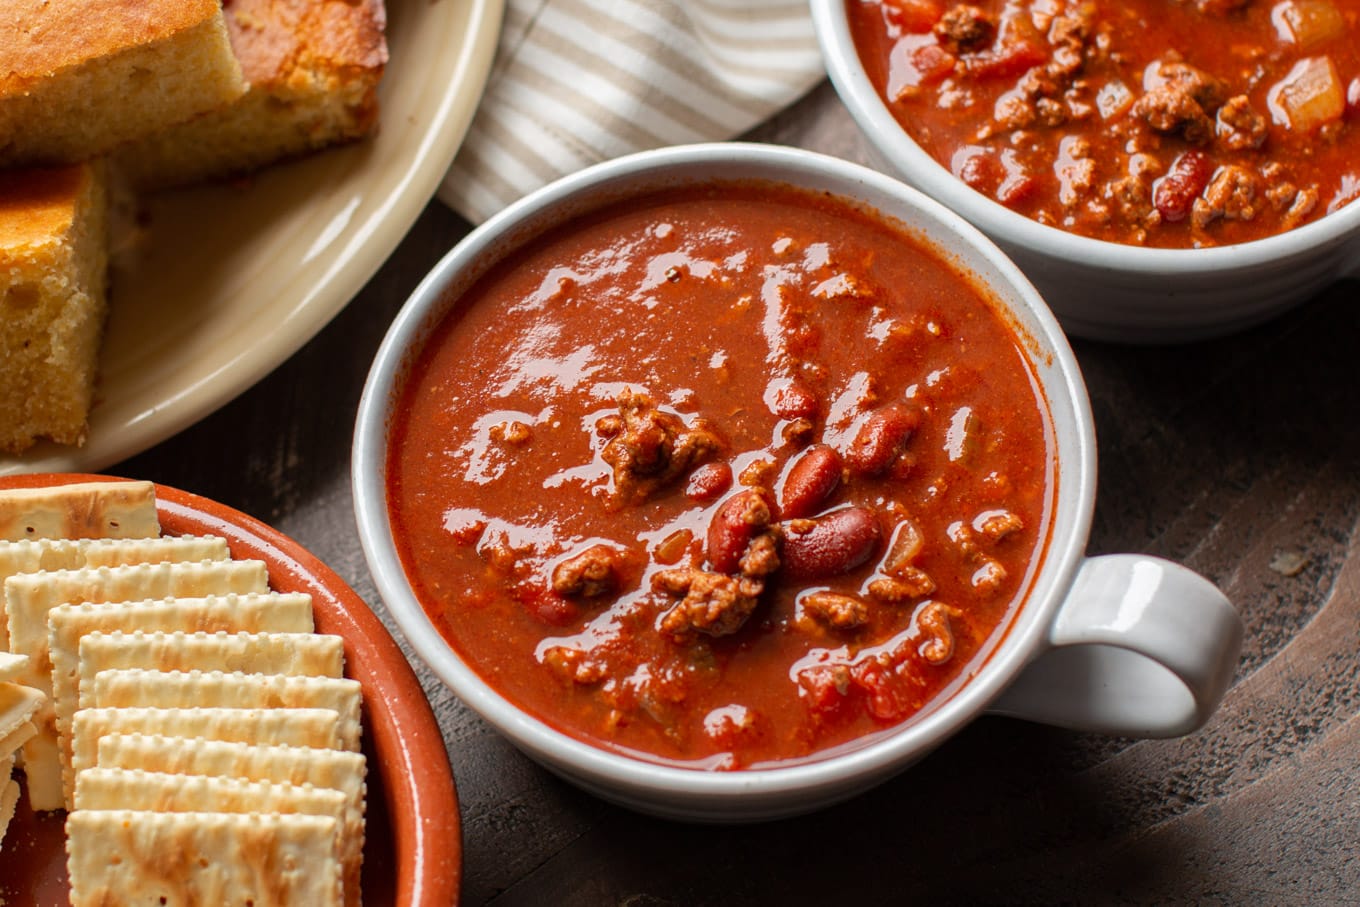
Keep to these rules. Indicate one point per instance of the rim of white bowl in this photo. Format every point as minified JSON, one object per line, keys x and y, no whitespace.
{"x":893,"y":748}
{"x":882,"y":129}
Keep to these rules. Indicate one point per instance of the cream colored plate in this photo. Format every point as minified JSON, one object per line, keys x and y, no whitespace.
{"x":234,"y":279}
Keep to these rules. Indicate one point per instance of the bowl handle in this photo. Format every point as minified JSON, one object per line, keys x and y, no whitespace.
{"x":1141,"y":647}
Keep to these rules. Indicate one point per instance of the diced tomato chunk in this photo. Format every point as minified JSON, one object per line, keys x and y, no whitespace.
{"x":915,"y":61}
{"x":933,"y":62}
{"x":546,"y":605}
{"x":1007,"y":61}
{"x":824,"y":689}
{"x":885,"y":697}
{"x":1018,"y":184}
{"x":911,"y":15}
{"x":978,"y":167}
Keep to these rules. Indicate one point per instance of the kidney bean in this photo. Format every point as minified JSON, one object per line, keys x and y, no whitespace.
{"x":733,"y":526}
{"x":708,"y":481}
{"x":882,"y":439}
{"x":809,"y":482}
{"x":830,"y":545}
{"x":1174,"y":194}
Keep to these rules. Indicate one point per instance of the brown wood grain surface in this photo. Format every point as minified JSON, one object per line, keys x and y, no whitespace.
{"x":1239,"y":457}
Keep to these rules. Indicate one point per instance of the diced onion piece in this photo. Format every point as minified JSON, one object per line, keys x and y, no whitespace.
{"x":1311,"y":95}
{"x":1113,"y":99}
{"x":1307,"y":23}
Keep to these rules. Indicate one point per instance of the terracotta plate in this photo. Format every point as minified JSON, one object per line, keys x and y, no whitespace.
{"x":232,"y":279}
{"x":413,"y":848}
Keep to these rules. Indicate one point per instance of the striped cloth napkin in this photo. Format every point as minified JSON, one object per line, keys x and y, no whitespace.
{"x":581,"y":81}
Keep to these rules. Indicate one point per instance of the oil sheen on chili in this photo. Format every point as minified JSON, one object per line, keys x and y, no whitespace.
{"x":721,"y":477}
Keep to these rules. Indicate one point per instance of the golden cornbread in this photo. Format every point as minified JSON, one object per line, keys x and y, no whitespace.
{"x":313,"y":68}
{"x":53,"y":268}
{"x":78,"y":77}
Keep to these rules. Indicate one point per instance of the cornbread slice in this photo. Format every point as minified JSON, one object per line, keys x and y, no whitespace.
{"x":77,"y":79}
{"x":182,"y":859}
{"x":53,"y":275}
{"x":313,"y":68}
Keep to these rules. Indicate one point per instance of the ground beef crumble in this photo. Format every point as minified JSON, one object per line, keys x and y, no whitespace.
{"x":649,"y":448}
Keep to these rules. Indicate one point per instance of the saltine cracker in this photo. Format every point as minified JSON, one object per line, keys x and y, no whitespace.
{"x":181,"y":859}
{"x":88,"y":510}
{"x":342,"y":771}
{"x":12,"y":666}
{"x":314,"y":728}
{"x":185,"y":689}
{"x":289,"y":654}
{"x":106,"y":788}
{"x":10,"y":743}
{"x":9,"y":797}
{"x":18,"y":705}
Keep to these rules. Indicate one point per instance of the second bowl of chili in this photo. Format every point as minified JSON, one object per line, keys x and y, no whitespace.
{"x":1155,"y":182}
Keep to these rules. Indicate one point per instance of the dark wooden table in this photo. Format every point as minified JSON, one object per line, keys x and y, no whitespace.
{"x":1239,"y":457}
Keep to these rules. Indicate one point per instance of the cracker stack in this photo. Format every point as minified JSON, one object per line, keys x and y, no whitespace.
{"x":202,"y":735}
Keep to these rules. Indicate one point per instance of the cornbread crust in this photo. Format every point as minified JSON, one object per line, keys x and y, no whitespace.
{"x":53,"y":273}
{"x":313,"y":68}
{"x":77,"y":79}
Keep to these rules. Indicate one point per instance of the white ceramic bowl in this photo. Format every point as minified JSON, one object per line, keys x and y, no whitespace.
{"x":1102,"y":289}
{"x":1126,"y":644}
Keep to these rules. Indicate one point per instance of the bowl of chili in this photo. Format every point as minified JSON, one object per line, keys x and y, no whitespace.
{"x":728,"y":480}
{"x":1155,"y":185}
